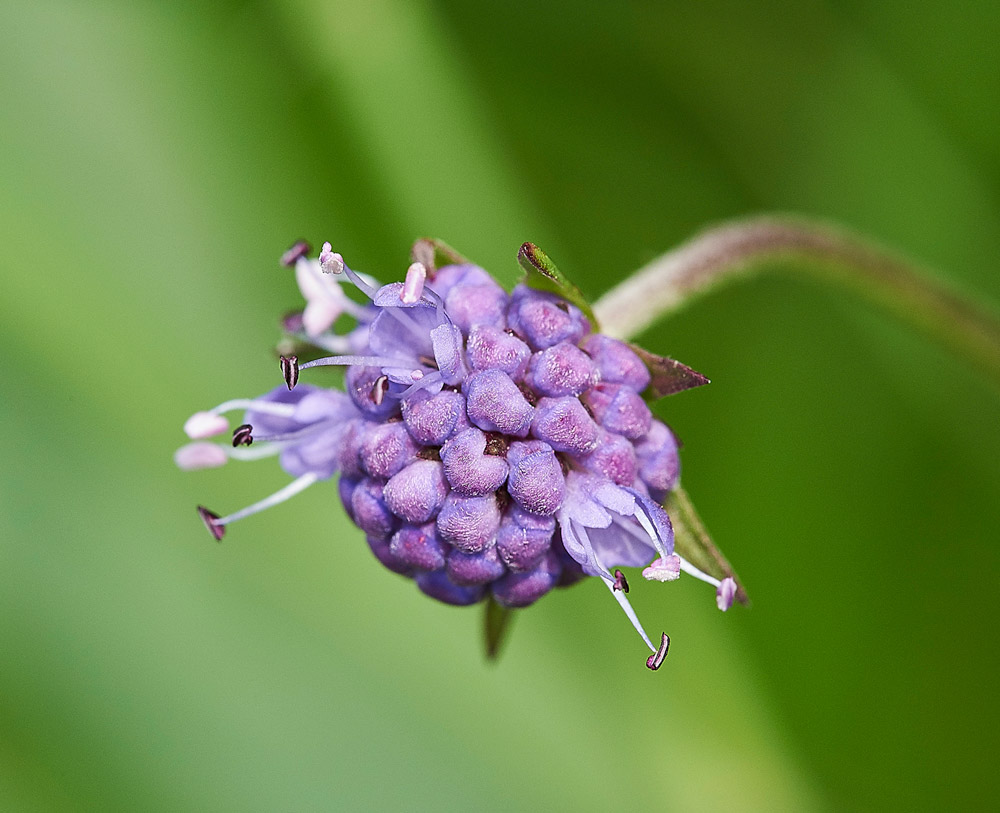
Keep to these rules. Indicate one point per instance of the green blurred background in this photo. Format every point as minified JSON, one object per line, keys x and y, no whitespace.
{"x":157,"y":157}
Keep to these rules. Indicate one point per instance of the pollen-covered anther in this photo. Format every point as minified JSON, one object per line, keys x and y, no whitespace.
{"x":664,"y":569}
{"x":211,"y":520}
{"x":242,"y":435}
{"x":205,"y":425}
{"x":330,"y":262}
{"x":200,"y":455}
{"x":413,"y":285}
{"x":297,"y":251}
{"x":289,"y":370}
{"x":725,"y":593}
{"x":655,"y":660}
{"x":621,"y":583}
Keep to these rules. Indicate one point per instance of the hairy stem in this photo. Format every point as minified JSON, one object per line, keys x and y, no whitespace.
{"x":738,"y":249}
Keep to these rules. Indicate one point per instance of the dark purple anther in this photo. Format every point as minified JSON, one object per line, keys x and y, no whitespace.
{"x":298,"y":250}
{"x":211,"y":522}
{"x":656,"y":659}
{"x":621,"y":583}
{"x":289,"y":370}
{"x":379,"y":389}
{"x":242,"y":435}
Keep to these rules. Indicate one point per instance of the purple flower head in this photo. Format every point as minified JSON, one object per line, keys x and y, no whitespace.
{"x":489,"y":445}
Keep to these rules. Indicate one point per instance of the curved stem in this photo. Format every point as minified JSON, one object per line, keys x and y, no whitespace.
{"x":738,"y":249}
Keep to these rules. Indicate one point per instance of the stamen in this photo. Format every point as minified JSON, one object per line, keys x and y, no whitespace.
{"x":647,"y":526}
{"x":655,"y":660}
{"x":413,"y":285}
{"x":289,"y":370}
{"x":726,"y":593}
{"x":205,"y":425}
{"x":242,"y":435}
{"x":621,"y":583}
{"x":297,"y":251}
{"x":215,"y":527}
{"x":333,"y":261}
{"x":289,"y":491}
{"x":200,"y":455}
{"x":624,"y":602}
{"x":691,"y":570}
{"x":258,"y":405}
{"x":663,"y":569}
{"x":330,"y":261}
{"x":379,"y":389}
{"x":357,"y":361}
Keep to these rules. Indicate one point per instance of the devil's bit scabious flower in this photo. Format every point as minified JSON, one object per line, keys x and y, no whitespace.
{"x":488,"y":445}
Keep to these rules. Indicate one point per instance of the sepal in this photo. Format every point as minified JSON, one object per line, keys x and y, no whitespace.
{"x":693,"y":543}
{"x":668,"y":376}
{"x":496,"y":625}
{"x":434,"y":254}
{"x":542,"y":275}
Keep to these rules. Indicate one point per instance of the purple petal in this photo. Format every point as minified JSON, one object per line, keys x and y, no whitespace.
{"x":447,"y":343}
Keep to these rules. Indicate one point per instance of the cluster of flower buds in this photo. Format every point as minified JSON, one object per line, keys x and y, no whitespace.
{"x":488,"y":444}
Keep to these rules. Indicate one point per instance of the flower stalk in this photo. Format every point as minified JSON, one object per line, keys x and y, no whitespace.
{"x":739,"y":249}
